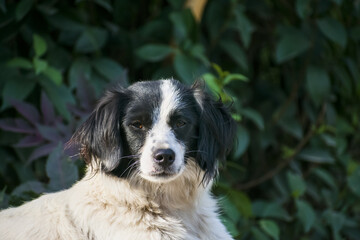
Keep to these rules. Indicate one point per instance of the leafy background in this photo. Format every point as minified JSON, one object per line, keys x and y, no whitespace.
{"x":291,"y":69}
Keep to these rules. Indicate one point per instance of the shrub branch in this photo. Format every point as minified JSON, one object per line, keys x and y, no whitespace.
{"x":286,"y":161}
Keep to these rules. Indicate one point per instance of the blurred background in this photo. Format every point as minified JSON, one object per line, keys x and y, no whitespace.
{"x":291,"y":70}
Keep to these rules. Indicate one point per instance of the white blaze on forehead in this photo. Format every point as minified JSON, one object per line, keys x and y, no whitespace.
{"x":170,"y":99}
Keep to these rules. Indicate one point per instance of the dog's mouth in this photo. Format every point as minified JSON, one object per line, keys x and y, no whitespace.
{"x":162,"y":175}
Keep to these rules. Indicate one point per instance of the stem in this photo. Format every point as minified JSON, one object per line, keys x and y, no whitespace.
{"x":286,"y":161}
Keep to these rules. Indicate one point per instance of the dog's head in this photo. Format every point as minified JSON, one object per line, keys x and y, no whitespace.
{"x":154,"y":128}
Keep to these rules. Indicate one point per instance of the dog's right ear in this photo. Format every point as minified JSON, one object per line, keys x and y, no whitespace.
{"x":99,"y":137}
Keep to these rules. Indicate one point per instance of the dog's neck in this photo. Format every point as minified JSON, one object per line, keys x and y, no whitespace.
{"x":184,"y":192}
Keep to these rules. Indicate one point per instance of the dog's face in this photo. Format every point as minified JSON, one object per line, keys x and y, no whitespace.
{"x":160,"y":126}
{"x":154,"y":128}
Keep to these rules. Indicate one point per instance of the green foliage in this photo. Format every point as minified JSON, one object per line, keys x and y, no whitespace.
{"x":288,"y":69}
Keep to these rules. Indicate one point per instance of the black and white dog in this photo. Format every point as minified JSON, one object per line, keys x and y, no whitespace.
{"x":152,"y":152}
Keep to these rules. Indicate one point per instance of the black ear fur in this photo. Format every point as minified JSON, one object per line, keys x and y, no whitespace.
{"x":99,"y":136}
{"x":216,"y":132}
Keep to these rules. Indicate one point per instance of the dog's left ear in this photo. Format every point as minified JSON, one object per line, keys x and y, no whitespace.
{"x":99,"y":137}
{"x":217,"y":131}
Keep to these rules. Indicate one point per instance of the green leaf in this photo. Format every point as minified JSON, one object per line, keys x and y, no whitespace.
{"x":80,"y":70}
{"x":212,"y":82}
{"x":54,"y":74}
{"x":13,"y":91}
{"x":287,"y":152}
{"x":237,"y":117}
{"x":242,"y":141}
{"x":29,"y":186}
{"x":40,"y":45}
{"x":338,"y":2}
{"x":306,"y":214}
{"x":184,"y":25}
{"x":20,"y":62}
{"x":326,"y":177}
{"x":39,"y":65}
{"x":292,"y":126}
{"x":111,"y":70}
{"x":234,"y":77}
{"x":342,"y":76}
{"x":354,"y":70}
{"x":105,"y":4}
{"x":61,"y":170}
{"x":66,"y":24}
{"x":198,"y":51}
{"x":333,"y":30}
{"x":265,"y":209}
{"x":354,"y":182}
{"x":244,"y":26}
{"x":291,"y":45}
{"x":22,"y":8}
{"x":154,"y":52}
{"x":318,"y":84}
{"x":230,"y":226}
{"x":235,"y":52}
{"x":336,"y":221}
{"x":258,"y":234}
{"x":60,"y":96}
{"x":242,"y":203}
{"x":297,"y":184}
{"x":303,"y":8}
{"x":271,"y":228}
{"x":91,"y":40}
{"x":187,"y":68}
{"x":229,"y":208}
{"x":316,"y":155}
{"x":4,"y":10}
{"x":254,"y":116}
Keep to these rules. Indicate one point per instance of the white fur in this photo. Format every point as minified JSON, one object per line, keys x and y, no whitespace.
{"x":103,"y":207}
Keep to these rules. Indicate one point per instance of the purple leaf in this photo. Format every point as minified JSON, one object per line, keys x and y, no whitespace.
{"x":64,"y":130}
{"x":17,"y":125}
{"x":78,"y":112}
{"x":49,"y":133}
{"x":85,"y":94}
{"x":27,"y":110}
{"x":47,"y":109}
{"x":29,"y":141}
{"x":42,"y":151}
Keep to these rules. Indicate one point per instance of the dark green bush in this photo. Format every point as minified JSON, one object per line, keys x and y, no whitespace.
{"x":294,"y":172}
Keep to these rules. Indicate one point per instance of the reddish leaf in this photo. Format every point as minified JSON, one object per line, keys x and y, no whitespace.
{"x":16,"y":125}
{"x":27,"y":110}
{"x":49,"y":133}
{"x":42,"y":151}
{"x":47,"y":109}
{"x":85,"y":94}
{"x":29,"y":141}
{"x":64,"y":130}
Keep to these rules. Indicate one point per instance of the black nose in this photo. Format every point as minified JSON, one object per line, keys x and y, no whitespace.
{"x":164,"y":157}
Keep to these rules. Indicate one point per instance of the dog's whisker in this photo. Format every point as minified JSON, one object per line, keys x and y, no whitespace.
{"x":129,"y":168}
{"x":130,"y":156}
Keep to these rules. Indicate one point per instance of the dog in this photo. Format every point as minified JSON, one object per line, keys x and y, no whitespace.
{"x":152,"y":152}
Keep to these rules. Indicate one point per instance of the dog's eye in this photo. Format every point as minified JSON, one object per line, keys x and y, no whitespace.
{"x":137,"y":125}
{"x":180,"y":123}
